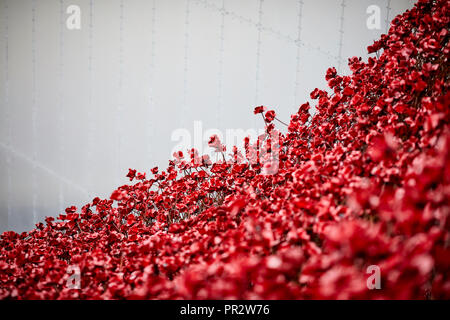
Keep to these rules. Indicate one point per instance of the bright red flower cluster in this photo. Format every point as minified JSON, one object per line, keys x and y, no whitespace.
{"x":365,"y":182}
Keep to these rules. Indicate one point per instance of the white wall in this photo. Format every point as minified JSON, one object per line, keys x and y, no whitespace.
{"x":79,"y":107}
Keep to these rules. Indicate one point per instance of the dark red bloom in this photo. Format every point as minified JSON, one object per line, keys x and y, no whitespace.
{"x":259,"y":109}
{"x":131,"y":174}
{"x":360,"y":194}
{"x":270,"y":115}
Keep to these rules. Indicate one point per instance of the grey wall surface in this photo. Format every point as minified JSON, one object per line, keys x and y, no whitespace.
{"x":79,"y":107}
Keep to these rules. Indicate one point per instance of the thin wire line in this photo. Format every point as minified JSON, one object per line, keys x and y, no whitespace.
{"x":264,"y":28}
{"x":90,"y":114}
{"x":7,"y":116}
{"x":38,"y":165}
{"x":119,"y":97}
{"x":299,"y":33}
{"x":341,"y":35}
{"x":258,"y":54}
{"x":151,"y":107}
{"x":388,"y":10}
{"x":61,"y":103}
{"x":186,"y":56}
{"x":33,"y":111}
{"x":220,"y":73}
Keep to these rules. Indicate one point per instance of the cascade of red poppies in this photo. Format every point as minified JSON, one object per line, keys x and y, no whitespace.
{"x":364,"y":182}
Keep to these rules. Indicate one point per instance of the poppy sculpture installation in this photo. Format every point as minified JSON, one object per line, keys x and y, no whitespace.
{"x":358,"y":207}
